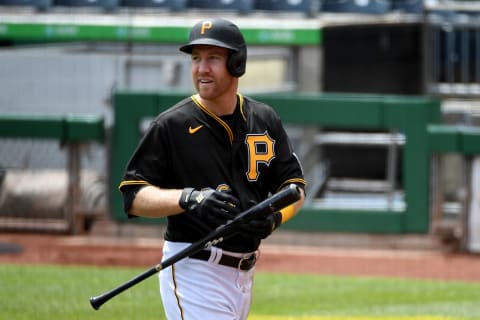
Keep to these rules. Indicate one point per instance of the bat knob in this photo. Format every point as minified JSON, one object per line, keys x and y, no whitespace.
{"x":95,"y":302}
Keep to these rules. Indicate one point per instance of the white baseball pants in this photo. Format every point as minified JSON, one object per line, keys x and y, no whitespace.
{"x":193,"y":289}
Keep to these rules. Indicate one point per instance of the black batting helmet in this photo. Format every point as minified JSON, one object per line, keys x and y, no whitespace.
{"x":220,"y":33}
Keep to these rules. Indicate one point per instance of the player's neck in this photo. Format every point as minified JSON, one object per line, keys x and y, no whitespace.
{"x":220,"y":106}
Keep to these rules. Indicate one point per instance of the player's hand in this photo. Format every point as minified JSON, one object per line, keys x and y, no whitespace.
{"x":214,"y":207}
{"x":262,"y":228}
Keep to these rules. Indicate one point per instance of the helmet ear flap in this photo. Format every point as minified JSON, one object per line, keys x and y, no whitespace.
{"x":236,"y":62}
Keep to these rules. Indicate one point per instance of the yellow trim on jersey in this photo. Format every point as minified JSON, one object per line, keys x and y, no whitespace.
{"x":132,"y":183}
{"x":214,"y":116}
{"x":240,"y":97}
{"x":218,"y":119}
{"x":293,"y":180}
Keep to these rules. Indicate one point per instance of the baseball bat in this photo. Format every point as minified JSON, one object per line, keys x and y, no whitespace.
{"x":268,"y":206}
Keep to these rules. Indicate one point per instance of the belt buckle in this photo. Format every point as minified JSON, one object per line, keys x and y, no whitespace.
{"x":247,"y":263}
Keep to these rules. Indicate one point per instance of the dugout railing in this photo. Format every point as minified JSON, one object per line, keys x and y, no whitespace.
{"x":460,"y":227}
{"x":71,"y":132}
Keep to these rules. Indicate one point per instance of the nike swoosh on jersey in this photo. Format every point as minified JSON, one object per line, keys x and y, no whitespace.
{"x":194,"y":130}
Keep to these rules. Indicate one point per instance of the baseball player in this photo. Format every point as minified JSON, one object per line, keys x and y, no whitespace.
{"x":202,"y":162}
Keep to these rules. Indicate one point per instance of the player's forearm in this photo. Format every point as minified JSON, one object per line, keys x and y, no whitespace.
{"x":153,"y":202}
{"x":290,"y":211}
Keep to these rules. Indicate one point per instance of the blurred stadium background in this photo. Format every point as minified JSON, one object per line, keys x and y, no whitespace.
{"x":390,"y":153}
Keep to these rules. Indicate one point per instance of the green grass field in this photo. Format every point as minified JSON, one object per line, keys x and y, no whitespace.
{"x":61,"y":292}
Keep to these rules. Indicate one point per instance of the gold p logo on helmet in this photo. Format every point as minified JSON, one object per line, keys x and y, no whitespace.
{"x":220,"y":33}
{"x":205,"y":26}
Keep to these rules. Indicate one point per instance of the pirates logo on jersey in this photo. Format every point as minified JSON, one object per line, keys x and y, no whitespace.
{"x":260,"y":150}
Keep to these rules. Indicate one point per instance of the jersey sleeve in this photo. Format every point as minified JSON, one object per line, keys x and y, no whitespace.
{"x":148,"y":164}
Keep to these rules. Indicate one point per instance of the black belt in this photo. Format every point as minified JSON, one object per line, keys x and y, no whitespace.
{"x":244,"y":264}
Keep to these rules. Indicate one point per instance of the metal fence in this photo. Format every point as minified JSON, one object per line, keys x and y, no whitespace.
{"x":60,"y":195}
{"x":452,"y":53}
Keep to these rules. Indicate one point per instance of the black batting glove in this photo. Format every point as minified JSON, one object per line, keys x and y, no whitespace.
{"x":262,"y":228}
{"x":214,"y":207}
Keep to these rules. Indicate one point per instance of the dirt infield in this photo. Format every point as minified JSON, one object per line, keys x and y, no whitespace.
{"x":145,"y":252}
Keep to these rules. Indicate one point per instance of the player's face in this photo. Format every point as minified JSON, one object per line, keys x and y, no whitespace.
{"x":210,"y":76}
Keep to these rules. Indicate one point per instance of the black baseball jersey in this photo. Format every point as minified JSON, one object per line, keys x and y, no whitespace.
{"x":247,"y":153}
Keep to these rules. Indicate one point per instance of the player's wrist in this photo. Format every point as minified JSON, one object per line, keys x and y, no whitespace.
{"x":185,"y":198}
